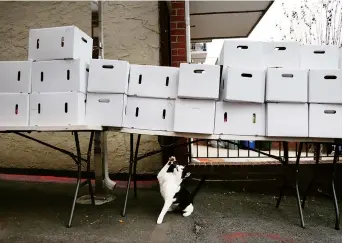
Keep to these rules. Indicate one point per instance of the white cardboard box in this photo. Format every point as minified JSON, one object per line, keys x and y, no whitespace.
{"x":287,"y":85}
{"x":59,"y":76}
{"x":15,"y":76}
{"x":240,"y":119}
{"x":108,"y":76}
{"x":57,"y":109}
{"x":282,"y":54}
{"x":105,"y":109}
{"x":287,"y":120}
{"x":66,"y":42}
{"x":319,"y":57}
{"x":194,"y":116}
{"x":149,"y":114}
{"x":153,"y":81}
{"x":325,"y":86}
{"x":199,"y":81}
{"x":14,"y":109}
{"x":242,"y":53}
{"x":325,"y":121}
{"x":243,"y":85}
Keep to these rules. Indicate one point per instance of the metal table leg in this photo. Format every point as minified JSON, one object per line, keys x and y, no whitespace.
{"x":297,"y":186}
{"x":317,"y":150}
{"x":135,"y":166}
{"x":286,"y":163}
{"x":130,"y":175}
{"x":335,"y":159}
{"x":77,"y":143}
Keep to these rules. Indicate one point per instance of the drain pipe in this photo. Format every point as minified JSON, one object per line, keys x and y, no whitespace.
{"x":188,"y":31}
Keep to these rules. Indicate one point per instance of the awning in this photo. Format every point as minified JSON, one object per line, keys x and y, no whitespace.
{"x":225,"y":19}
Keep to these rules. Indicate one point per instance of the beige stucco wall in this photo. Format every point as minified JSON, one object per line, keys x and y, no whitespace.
{"x":130,"y":33}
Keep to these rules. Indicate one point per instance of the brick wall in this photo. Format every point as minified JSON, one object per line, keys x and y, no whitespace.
{"x":178,"y":33}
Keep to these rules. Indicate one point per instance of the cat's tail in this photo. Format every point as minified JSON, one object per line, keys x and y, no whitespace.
{"x":196,"y":190}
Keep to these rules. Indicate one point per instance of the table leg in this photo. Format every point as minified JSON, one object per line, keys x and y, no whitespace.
{"x":297,"y":185}
{"x":317,"y":150}
{"x":77,"y":143}
{"x":286,"y":161}
{"x":130,"y":175}
{"x":135,"y":166}
{"x":335,"y":159}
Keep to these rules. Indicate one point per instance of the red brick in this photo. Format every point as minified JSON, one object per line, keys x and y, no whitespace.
{"x":178,"y":45}
{"x":179,"y":58}
{"x":177,"y":18}
{"x":177,"y":4}
{"x":180,"y":25}
{"x":181,"y":38}
{"x":173,"y":38}
{"x":173,"y":12}
{"x":180,"y":12}
{"x":174,"y":52}
{"x":181,"y":52}
{"x":177,"y":32}
{"x":175,"y":64}
{"x":173,"y":25}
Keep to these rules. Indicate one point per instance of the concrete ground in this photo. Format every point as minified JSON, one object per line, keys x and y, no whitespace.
{"x":38,"y":212}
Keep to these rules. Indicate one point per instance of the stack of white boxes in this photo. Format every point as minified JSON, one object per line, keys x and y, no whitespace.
{"x":58,"y":85}
{"x":241,"y":109}
{"x":107,"y":92}
{"x":325,"y":90}
{"x":151,"y":98}
{"x":197,"y":93}
{"x":15,"y":87}
{"x":286,"y":91}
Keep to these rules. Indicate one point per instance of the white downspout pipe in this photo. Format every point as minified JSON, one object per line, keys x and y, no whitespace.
{"x":188,"y":31}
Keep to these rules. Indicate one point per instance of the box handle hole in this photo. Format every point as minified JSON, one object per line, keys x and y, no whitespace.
{"x":287,"y":75}
{"x":225,"y":117}
{"x":87,"y":70}
{"x":108,"y":66}
{"x":280,"y":48}
{"x":62,"y":42}
{"x":254,"y":118}
{"x":66,"y":107}
{"x":84,"y":40}
{"x":319,"y":52}
{"x":140,"y":79}
{"x":16,"y":109}
{"x":330,"y":77}
{"x":167,"y":81}
{"x":137,"y":111}
{"x":199,"y":71}
{"x":37,"y":44}
{"x":164,"y":114}
{"x":38,"y":108}
{"x":246,"y":75}
{"x":104,"y":100}
{"x":41,"y":76}
{"x":68,"y":74}
{"x":18,"y":76}
{"x":242,"y":47}
{"x":330,"y":112}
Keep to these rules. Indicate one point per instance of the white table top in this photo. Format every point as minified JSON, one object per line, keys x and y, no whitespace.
{"x":223,"y":137}
{"x":50,"y":128}
{"x":158,"y":133}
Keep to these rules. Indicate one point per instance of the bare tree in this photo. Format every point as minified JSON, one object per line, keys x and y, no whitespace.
{"x":312,"y":22}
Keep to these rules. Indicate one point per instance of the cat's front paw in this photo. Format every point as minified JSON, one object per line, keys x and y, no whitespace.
{"x":159,"y":221}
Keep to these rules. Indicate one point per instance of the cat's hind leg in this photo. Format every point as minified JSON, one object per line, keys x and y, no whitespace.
{"x":166,"y":206}
{"x":188,"y":210}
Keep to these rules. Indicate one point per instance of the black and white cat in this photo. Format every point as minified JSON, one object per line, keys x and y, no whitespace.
{"x":173,"y":191}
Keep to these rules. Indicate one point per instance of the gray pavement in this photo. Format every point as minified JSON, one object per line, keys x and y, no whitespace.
{"x":37,"y":212}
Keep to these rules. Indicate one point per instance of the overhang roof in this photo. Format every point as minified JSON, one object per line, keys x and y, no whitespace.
{"x":225,"y":19}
